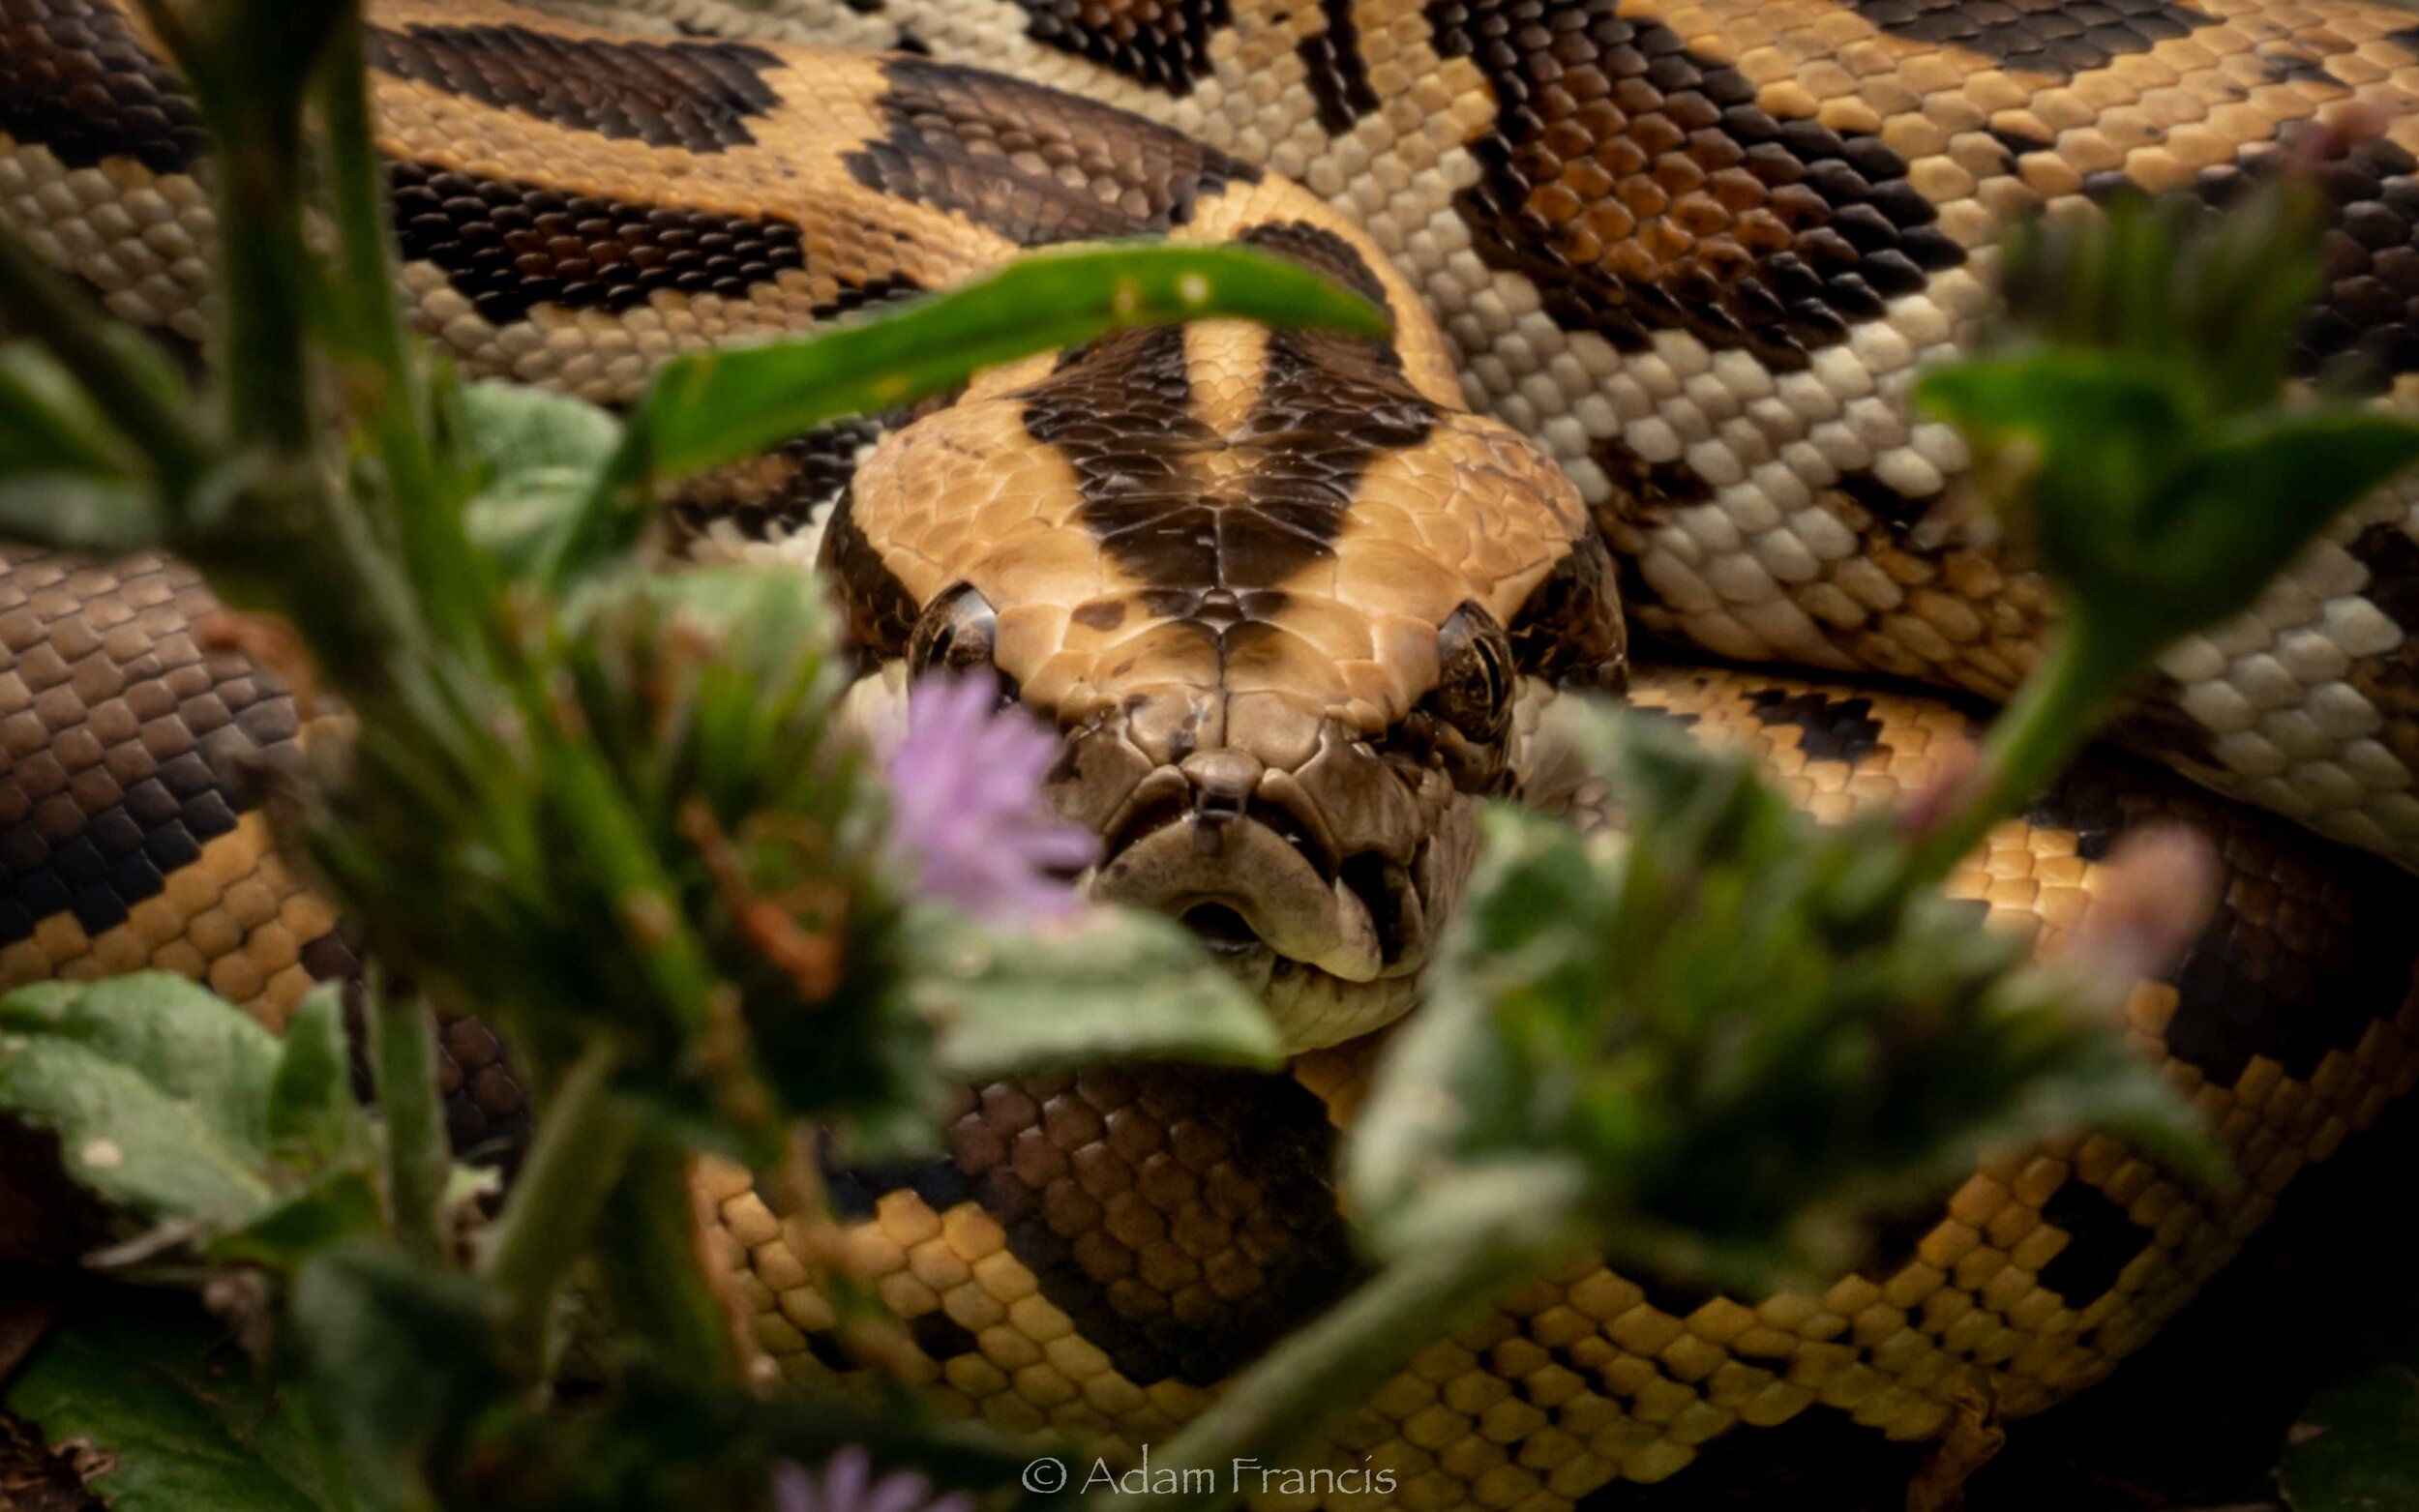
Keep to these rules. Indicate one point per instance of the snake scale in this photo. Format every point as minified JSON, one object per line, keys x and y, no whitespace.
{"x":1662,"y":274}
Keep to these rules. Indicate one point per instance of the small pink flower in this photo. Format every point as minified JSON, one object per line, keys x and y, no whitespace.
{"x":848,"y":1485}
{"x":967,"y":807}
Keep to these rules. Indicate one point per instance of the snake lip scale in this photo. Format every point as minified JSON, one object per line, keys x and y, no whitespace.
{"x":1662,"y":275}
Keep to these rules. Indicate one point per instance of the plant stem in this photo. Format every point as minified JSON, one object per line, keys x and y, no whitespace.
{"x":41,"y":304}
{"x":2080,"y":673}
{"x":376,"y":360}
{"x":1278,"y":1404}
{"x":583,"y":1143}
{"x":654,"y":1273}
{"x":403,"y":1053}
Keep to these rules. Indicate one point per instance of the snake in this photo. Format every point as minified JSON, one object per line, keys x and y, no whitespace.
{"x":1660,"y":276}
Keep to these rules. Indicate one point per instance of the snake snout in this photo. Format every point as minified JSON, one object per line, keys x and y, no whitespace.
{"x":1240,"y":854}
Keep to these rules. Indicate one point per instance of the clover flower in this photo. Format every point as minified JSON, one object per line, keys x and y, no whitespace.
{"x":848,"y":1485}
{"x":966,"y":808}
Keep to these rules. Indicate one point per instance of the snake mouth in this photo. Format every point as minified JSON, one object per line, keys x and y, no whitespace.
{"x":1332,"y":944}
{"x":1222,"y":932}
{"x":1244,"y":886}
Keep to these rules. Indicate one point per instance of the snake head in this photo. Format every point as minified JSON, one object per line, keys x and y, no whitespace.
{"x":1282,"y":599}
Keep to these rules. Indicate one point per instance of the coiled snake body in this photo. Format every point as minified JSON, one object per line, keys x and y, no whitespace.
{"x":1662,"y":275}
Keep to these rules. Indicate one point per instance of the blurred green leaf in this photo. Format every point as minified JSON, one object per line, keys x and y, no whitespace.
{"x":312,"y":1115}
{"x":543,"y":458}
{"x":67,"y":476}
{"x":2132,"y":428}
{"x":2208,"y":298}
{"x":49,"y":423}
{"x":342,"y":1204}
{"x":718,"y":406}
{"x":79,"y":513}
{"x":399,"y":1360}
{"x":173,"y":1408}
{"x":173,"y":1104}
{"x":2284,"y":477}
{"x":2356,"y":1447}
{"x":2151,"y":520}
{"x":157,"y":1089}
{"x":2097,"y":429}
{"x":1113,"y":984}
{"x":1725,"y":1028}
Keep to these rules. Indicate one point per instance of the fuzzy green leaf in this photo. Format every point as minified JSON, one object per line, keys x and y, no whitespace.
{"x":719,"y":406}
{"x":2259,"y":492}
{"x":173,"y":1408}
{"x":2102,"y":432}
{"x":340,"y":1205}
{"x":544,"y":459}
{"x":2152,"y":519}
{"x":49,"y":423}
{"x":157,"y":1089}
{"x":1723,"y":1028}
{"x":395,"y":1353}
{"x":80,"y":513}
{"x":2356,"y":1448}
{"x":1111,"y":985}
{"x":312,"y":1116}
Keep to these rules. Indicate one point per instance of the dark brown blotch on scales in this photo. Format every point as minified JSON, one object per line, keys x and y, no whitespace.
{"x":1119,"y":411}
{"x":1335,"y":69}
{"x":1641,"y":188}
{"x":2054,"y":37}
{"x":695,"y":95}
{"x":1029,"y":164}
{"x":76,"y":80}
{"x":510,"y":246}
{"x":2362,"y":332}
{"x":881,"y":613}
{"x":1164,"y":44}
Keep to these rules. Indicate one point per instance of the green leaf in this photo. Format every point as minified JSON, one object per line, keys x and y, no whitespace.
{"x":718,"y":406}
{"x":2151,"y":520}
{"x":1112,"y":984}
{"x":1454,"y":1102}
{"x":398,"y":1357}
{"x":67,"y":476}
{"x":2356,"y":1448}
{"x":2103,"y":431}
{"x":2212,"y":302}
{"x":312,"y":1116}
{"x":49,"y":423}
{"x":544,"y":459}
{"x":174,"y":1409}
{"x":1732,"y":1035}
{"x":80,"y":513}
{"x":2262,"y":490}
{"x":157,"y":1089}
{"x":343,"y":1204}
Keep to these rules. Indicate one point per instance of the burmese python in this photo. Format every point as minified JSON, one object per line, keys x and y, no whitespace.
{"x":1295,"y":605}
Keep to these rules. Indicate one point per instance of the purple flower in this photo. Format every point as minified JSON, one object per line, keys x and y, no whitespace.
{"x":966,"y":808}
{"x":846,"y":1485}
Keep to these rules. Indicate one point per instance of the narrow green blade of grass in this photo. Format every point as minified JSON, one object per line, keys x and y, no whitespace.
{"x":712,"y":407}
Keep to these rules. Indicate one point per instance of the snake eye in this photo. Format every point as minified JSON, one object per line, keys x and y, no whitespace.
{"x":1474,"y":684}
{"x":955,"y":632}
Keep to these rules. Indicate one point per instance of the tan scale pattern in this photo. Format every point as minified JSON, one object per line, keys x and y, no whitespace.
{"x":1742,"y":493}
